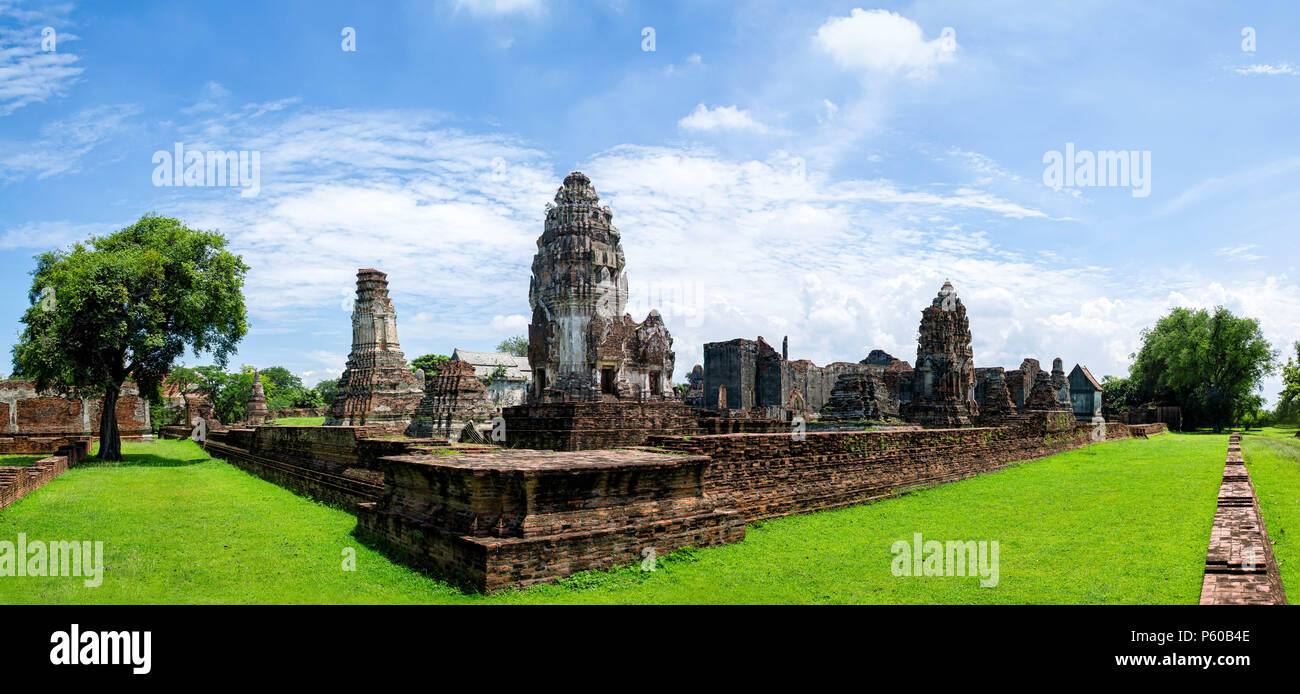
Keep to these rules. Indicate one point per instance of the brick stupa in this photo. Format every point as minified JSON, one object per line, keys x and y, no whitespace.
{"x":453,"y":398}
{"x":943,"y":385}
{"x":255,"y":411}
{"x":377,"y":388}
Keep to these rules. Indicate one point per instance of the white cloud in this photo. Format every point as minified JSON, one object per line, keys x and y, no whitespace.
{"x":1265,"y":69}
{"x":882,"y":42}
{"x":52,"y":234}
{"x":1241,"y":253}
{"x":63,"y":144}
{"x":28,"y":73}
{"x":500,"y":7}
{"x":720,"y":118}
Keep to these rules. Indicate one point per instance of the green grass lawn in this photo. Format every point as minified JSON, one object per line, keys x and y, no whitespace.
{"x":1273,"y":458}
{"x":1122,"y":522}
{"x":300,"y":421}
{"x":19,"y":459}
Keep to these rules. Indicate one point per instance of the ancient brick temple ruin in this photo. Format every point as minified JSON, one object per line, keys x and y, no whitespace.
{"x":39,"y":422}
{"x":600,"y":379}
{"x":377,"y":387}
{"x":943,"y":381}
{"x":667,"y":474}
{"x":255,"y":411}
{"x":454,"y":399}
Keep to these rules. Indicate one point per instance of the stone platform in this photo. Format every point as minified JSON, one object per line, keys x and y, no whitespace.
{"x":517,"y":518}
{"x":580,"y":426}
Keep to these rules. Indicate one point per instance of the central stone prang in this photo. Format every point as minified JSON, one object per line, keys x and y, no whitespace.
{"x":582,"y":345}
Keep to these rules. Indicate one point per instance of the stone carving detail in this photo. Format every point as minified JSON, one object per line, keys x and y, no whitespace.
{"x":943,"y":385}
{"x":255,"y":411}
{"x":377,"y":387}
{"x":581,"y":343}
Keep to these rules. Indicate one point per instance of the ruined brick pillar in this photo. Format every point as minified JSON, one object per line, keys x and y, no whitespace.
{"x":943,"y":385}
{"x":377,"y":387}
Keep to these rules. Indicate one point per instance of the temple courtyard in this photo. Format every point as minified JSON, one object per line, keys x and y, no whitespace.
{"x":1116,"y":522}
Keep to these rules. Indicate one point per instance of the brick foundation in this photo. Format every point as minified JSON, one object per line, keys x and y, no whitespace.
{"x":17,"y":482}
{"x":1240,"y":568}
{"x":518,"y":518}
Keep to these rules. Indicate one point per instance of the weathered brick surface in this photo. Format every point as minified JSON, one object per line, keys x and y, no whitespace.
{"x":517,"y":518}
{"x":32,"y":422}
{"x":333,"y":464}
{"x":577,"y":426}
{"x":19,"y":481}
{"x":768,"y":475}
{"x":1240,"y":568}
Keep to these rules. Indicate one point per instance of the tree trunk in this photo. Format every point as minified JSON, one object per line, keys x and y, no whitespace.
{"x":110,"y":441}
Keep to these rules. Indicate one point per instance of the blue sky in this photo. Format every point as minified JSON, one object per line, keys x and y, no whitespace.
{"x":805,"y":169}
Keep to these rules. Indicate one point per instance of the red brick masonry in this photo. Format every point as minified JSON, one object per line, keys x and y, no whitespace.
{"x":1240,"y":568}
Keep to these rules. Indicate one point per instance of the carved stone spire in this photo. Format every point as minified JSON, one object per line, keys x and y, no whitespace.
{"x":377,"y":387}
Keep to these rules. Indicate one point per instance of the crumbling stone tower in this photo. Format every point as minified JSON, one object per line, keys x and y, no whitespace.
{"x":255,"y":410}
{"x":581,"y":344}
{"x":943,"y":385}
{"x":377,"y":387}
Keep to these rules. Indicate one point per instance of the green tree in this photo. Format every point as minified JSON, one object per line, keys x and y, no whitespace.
{"x":128,"y":305}
{"x":1119,"y":394}
{"x":1288,"y":405}
{"x":183,"y":380}
{"x":1209,"y":364}
{"x":517,"y":345}
{"x":326,"y":389}
{"x":428,"y":362}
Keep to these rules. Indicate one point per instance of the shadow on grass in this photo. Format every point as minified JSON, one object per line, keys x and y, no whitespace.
{"x":148,"y":460}
{"x":20,"y":460}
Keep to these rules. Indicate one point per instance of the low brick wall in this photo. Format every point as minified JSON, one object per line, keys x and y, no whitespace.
{"x":1240,"y":568}
{"x":333,"y":464}
{"x":17,"y":481}
{"x":517,"y":518}
{"x":769,"y":475}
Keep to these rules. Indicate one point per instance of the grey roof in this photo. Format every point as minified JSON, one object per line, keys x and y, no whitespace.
{"x":1087,"y":374}
{"x":484,"y":363}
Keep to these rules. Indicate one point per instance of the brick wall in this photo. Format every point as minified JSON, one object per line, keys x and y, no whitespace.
{"x":17,"y":482}
{"x":768,"y":475}
{"x":47,"y":417}
{"x":334,"y":464}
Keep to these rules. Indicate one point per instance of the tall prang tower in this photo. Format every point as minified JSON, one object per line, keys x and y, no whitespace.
{"x":943,"y":386}
{"x":377,"y":386}
{"x":582,"y":345}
